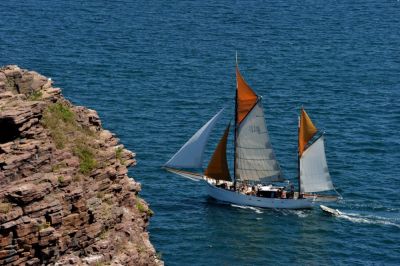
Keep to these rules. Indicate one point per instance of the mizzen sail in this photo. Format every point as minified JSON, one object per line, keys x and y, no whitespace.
{"x":191,"y":153}
{"x":218,"y":165}
{"x":306,"y":131}
{"x":255,"y":158}
{"x":314,"y":174}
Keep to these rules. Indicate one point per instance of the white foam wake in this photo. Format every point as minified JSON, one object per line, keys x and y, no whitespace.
{"x":256,"y":210}
{"x":358,"y":218}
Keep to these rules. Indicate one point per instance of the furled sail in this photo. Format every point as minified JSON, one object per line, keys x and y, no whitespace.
{"x":191,"y":154}
{"x":255,"y":158}
{"x":306,"y":131}
{"x":314,"y":174}
{"x":218,"y":165}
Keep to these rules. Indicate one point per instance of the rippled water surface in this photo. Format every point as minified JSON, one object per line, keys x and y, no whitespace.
{"x":157,"y":70}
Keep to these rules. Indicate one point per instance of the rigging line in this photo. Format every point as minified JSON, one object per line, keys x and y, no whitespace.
{"x":313,"y":140}
{"x":244,"y":118}
{"x":340,"y":195}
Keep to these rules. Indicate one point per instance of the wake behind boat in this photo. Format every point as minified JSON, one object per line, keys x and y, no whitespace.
{"x":334,"y":212}
{"x":256,"y":168}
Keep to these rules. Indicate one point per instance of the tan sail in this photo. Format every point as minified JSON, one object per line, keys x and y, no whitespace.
{"x":306,"y":131}
{"x":246,"y":98}
{"x":218,"y":165}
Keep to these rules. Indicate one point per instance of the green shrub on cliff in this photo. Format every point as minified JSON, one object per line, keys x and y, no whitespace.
{"x":87,"y":161}
{"x":143,"y":208}
{"x":66,"y":133}
{"x":35,"y":96}
{"x":60,"y":120}
{"x":62,"y":112}
{"x":140,"y":206}
{"x":118,"y":155}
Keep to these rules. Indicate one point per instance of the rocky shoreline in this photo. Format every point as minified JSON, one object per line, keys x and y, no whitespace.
{"x":65,"y":196}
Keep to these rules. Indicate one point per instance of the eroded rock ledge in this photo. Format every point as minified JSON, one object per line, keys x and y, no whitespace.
{"x":65,"y":196}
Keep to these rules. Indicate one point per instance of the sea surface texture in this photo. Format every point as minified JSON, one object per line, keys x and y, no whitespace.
{"x":156,"y":71}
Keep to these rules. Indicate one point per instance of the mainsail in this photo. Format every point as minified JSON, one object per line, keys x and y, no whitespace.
{"x":254,"y":157}
{"x":313,"y":168}
{"x":191,"y":154}
{"x":218,"y":166}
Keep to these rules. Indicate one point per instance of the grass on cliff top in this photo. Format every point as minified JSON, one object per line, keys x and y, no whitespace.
{"x":68,"y":134}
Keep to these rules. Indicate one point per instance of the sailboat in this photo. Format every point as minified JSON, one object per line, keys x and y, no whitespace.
{"x":256,"y":170}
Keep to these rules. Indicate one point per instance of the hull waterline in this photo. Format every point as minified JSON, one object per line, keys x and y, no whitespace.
{"x":230,"y":196}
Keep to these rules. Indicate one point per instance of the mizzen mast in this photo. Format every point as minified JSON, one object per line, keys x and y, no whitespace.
{"x":306,"y":131}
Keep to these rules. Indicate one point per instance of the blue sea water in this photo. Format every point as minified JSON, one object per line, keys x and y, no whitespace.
{"x":157,"y":70}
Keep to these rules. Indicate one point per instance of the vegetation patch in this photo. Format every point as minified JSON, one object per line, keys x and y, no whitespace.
{"x":142,"y":208}
{"x":141,"y":249}
{"x":104,"y":234}
{"x":60,"y":120}
{"x":57,"y":167}
{"x":43,"y":226}
{"x":35,"y":96}
{"x":62,"y":112}
{"x":118,"y":155}
{"x":150,"y":212}
{"x":87,"y":161}
{"x":66,"y":133}
{"x":106,"y":212}
{"x":5,"y":207}
{"x":159,"y":255}
{"x":108,"y":199}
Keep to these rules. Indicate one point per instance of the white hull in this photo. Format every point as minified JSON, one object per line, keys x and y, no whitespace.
{"x":249,"y":200}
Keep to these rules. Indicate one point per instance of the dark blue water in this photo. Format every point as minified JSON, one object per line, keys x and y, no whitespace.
{"x":157,"y":70}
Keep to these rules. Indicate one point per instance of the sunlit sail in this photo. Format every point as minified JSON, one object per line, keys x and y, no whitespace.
{"x":255,"y":166}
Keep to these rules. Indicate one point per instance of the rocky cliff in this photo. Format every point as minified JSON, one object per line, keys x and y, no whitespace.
{"x":65,"y":196}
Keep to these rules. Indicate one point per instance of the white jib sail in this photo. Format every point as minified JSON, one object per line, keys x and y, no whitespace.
{"x":255,"y":158}
{"x":191,"y":154}
{"x":314,"y":174}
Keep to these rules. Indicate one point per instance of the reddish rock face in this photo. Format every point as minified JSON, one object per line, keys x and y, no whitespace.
{"x":65,"y":197}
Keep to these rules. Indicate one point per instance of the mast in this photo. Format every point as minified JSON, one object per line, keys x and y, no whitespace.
{"x":235,"y":137}
{"x":298,"y":153}
{"x":306,"y":131}
{"x":235,"y":132}
{"x":255,"y":159}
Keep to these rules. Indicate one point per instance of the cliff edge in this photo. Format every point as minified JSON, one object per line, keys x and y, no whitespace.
{"x":65,"y":196}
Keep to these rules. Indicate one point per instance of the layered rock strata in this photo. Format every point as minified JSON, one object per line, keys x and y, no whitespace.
{"x":65,"y":196}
